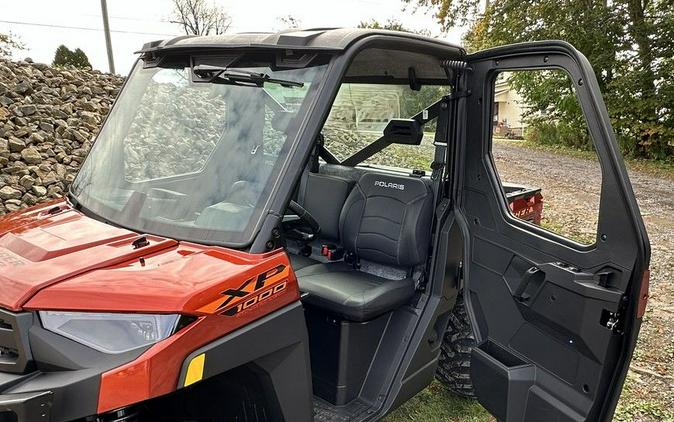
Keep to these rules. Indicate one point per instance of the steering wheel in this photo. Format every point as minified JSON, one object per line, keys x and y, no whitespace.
{"x":306,"y":228}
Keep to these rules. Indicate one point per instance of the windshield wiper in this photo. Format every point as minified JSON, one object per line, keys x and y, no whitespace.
{"x":216,"y":74}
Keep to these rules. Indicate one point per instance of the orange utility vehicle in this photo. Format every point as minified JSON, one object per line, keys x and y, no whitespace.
{"x":217,"y":260}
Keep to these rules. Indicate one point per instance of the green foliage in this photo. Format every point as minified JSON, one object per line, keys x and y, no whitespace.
{"x":553,"y":112}
{"x":437,"y":404}
{"x":546,"y":132}
{"x":628,"y":43}
{"x":450,"y":13}
{"x":61,"y":56}
{"x":80,"y":60}
{"x":415,"y":101}
{"x":66,"y":57}
{"x":392,"y":25}
{"x":548,"y":92}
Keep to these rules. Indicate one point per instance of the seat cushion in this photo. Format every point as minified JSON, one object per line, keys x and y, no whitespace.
{"x":352,"y":294}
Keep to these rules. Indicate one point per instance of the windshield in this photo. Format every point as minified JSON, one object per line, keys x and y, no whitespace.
{"x":195,"y":160}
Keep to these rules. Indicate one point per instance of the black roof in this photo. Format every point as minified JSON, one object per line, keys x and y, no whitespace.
{"x":326,"y":39}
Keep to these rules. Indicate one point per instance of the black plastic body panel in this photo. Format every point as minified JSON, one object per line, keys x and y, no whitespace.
{"x":279,"y":346}
{"x":29,"y":407}
{"x":502,"y":378}
{"x":342,"y":353}
{"x":15,"y":355}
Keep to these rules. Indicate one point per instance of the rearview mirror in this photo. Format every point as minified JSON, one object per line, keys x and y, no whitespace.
{"x":404,"y":132}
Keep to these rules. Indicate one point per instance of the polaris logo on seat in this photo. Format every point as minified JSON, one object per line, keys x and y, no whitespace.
{"x":389,"y":185}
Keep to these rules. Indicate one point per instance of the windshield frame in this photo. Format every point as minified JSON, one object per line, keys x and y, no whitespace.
{"x":238,"y":240}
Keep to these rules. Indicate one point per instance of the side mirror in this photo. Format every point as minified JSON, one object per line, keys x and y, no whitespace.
{"x":404,"y":132}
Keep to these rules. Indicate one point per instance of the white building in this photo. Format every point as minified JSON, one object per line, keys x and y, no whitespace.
{"x":509,"y":109}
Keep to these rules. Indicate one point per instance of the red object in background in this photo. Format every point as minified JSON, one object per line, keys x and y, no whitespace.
{"x":79,"y":264}
{"x":527,"y":207}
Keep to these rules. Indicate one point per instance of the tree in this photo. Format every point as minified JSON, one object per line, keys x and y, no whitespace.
{"x":200,"y":17}
{"x":451,"y":12}
{"x":66,"y":57}
{"x":61,"y":56}
{"x":8,"y":44}
{"x":392,"y":25}
{"x":80,"y":60}
{"x":628,"y":43}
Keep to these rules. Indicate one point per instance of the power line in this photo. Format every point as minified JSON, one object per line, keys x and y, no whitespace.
{"x":83,"y":28}
{"x":125,"y":18}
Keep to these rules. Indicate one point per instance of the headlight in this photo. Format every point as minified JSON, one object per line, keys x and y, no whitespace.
{"x":110,"y":333}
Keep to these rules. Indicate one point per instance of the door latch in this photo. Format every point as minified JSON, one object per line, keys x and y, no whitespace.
{"x":611,"y":320}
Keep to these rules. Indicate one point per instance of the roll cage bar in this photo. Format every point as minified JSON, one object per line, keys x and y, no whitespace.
{"x":424,"y":116}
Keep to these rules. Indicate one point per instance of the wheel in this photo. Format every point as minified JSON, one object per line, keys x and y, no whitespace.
{"x":454,"y":365}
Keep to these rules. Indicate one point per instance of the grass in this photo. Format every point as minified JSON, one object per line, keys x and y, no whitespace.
{"x":635,"y":406}
{"x":569,"y":232}
{"x":437,"y":404}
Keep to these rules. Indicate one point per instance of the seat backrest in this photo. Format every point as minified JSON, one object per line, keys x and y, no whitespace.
{"x":387,"y":219}
{"x":323,"y":197}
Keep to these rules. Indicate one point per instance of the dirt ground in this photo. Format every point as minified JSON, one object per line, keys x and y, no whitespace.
{"x":570,"y":186}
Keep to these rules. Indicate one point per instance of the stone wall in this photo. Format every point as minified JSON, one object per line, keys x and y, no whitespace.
{"x":48,"y":119}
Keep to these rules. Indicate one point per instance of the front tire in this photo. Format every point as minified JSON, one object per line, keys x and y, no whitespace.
{"x":454,"y":363}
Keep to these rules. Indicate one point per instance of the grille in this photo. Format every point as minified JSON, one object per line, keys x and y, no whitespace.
{"x":15,"y":354}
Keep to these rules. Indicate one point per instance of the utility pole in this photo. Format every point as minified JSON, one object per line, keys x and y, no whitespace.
{"x":106,"y":29}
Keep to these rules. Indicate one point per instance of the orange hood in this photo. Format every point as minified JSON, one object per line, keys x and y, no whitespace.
{"x":54,"y":257}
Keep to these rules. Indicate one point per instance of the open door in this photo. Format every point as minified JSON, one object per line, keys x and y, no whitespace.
{"x":556,"y":320}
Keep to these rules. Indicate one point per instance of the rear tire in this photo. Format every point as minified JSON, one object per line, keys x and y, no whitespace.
{"x":454,"y":364}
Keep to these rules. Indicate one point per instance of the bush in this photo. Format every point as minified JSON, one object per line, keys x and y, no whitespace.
{"x":559,"y":134}
{"x":65,"y":57}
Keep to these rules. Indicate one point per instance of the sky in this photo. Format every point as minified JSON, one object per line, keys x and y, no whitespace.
{"x":43,"y":25}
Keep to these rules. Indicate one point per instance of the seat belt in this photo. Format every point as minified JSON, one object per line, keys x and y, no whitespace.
{"x":312,"y":167}
{"x":316,"y":153}
{"x":440,"y":142}
{"x":443,"y":136}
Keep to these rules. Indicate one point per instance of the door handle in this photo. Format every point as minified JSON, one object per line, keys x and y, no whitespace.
{"x":592,"y":285}
{"x":528,"y":276}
